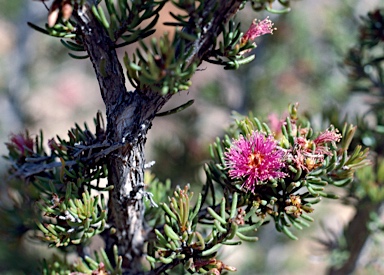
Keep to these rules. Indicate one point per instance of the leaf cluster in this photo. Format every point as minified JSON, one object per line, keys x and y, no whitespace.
{"x":164,"y":64}
{"x":123,"y":21}
{"x":158,"y":68}
{"x":64,"y":179}
{"x":365,"y":61}
{"x":99,"y":264}
{"x":77,"y":220}
{"x":192,"y":236}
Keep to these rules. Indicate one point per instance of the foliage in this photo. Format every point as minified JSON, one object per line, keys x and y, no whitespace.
{"x":364,"y":67}
{"x":226,"y":213}
{"x":312,"y":162}
{"x":257,"y":172}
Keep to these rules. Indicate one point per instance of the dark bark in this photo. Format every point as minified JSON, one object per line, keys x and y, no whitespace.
{"x":129,"y":116}
{"x":356,"y":236}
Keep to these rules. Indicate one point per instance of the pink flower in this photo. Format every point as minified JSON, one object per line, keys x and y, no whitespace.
{"x":257,"y":28}
{"x":324,"y":138}
{"x":320,"y":142}
{"x":275,"y":124}
{"x":255,"y":159}
{"x":22,"y":142}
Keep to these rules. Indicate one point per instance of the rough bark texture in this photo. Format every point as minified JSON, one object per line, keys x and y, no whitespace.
{"x":129,"y":116}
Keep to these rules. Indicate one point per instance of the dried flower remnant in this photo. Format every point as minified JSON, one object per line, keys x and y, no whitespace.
{"x":257,"y":28}
{"x":294,"y":206}
{"x":324,"y":138}
{"x":309,"y":154}
{"x":239,"y":219}
{"x":216,"y":267}
{"x":255,"y":159}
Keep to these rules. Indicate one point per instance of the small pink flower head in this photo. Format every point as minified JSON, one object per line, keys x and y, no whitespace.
{"x":22,"y":143}
{"x":324,"y":138}
{"x":327,"y":136}
{"x":258,"y":28}
{"x":256,"y":159}
{"x":275,"y":124}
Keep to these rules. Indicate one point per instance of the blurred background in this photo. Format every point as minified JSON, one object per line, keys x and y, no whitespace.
{"x":41,"y":87}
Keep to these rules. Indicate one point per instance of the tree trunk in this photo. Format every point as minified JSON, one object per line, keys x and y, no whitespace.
{"x":129,"y":116}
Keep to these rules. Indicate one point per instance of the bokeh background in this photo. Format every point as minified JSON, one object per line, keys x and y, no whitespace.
{"x":41,"y":87}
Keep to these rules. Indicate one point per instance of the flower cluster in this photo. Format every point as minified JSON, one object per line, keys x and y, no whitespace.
{"x":257,"y":28}
{"x":255,"y":158}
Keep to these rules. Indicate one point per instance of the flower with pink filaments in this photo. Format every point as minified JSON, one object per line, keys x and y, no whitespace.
{"x":256,"y":159}
{"x":22,"y":142}
{"x":324,"y":138}
{"x":258,"y":28}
